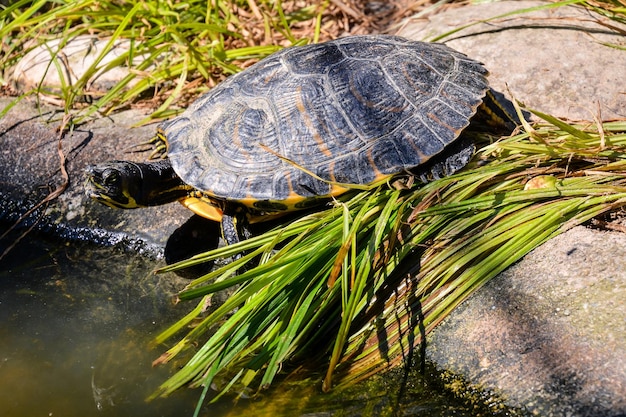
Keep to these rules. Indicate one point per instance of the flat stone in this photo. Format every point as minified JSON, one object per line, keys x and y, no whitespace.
{"x":549,"y":333}
{"x":39,"y":66}
{"x":556,"y":60}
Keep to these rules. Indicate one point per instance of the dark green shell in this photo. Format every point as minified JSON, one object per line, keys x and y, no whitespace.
{"x":356,"y":110}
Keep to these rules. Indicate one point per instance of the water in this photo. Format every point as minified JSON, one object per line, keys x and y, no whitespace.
{"x":77,"y":321}
{"x":76,"y":325}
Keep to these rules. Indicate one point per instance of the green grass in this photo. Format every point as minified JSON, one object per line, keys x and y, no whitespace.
{"x":184,"y":47}
{"x":177,"y":51}
{"x":355,"y":288}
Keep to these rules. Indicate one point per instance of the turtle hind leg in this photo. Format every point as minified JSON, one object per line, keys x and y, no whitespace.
{"x":455,"y":156}
{"x":497,"y":115}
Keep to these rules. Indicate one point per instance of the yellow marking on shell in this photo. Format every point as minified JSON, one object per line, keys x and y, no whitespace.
{"x":382,"y":178}
{"x":372,"y":162}
{"x":288,"y":178}
{"x":237,"y":140}
{"x":289,"y":202}
{"x":209,"y":208}
{"x":321,"y":144}
{"x":336,"y":190}
{"x":456,"y":132}
{"x":331,"y":171}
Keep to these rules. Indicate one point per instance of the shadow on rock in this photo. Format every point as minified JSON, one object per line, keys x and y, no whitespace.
{"x":196,"y":235}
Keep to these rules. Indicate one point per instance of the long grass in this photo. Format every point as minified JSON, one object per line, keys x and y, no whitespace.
{"x":175,"y":50}
{"x":357,"y":286}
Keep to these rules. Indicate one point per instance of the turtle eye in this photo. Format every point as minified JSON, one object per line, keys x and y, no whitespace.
{"x":111,"y":177}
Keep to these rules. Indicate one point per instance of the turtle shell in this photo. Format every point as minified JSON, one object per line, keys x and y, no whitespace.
{"x":307,"y":121}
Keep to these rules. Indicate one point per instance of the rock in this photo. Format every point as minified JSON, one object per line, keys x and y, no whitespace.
{"x":558,"y":60}
{"x":31,"y":171}
{"x":74,"y":59}
{"x":548,"y":334}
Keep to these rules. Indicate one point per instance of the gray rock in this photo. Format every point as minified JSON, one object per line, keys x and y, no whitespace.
{"x":548,"y":334}
{"x":31,"y":171}
{"x":558,"y":60}
{"x":39,"y":66}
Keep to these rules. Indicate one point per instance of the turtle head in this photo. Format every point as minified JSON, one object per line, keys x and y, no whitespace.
{"x":125,"y":184}
{"x":116,"y":184}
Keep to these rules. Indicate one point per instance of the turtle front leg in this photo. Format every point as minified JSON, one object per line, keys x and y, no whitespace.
{"x":234,"y":230}
{"x":235,"y":226}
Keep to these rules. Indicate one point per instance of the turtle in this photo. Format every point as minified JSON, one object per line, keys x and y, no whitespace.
{"x":306,"y":124}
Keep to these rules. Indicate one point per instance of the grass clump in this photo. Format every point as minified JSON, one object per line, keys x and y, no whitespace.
{"x":356,"y":287}
{"x":175,"y":50}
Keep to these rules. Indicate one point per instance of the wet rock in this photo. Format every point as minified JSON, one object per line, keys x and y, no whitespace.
{"x":558,"y":60}
{"x":31,"y":172}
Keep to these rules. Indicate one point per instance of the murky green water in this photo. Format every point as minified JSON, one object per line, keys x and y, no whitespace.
{"x":76,"y":322}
